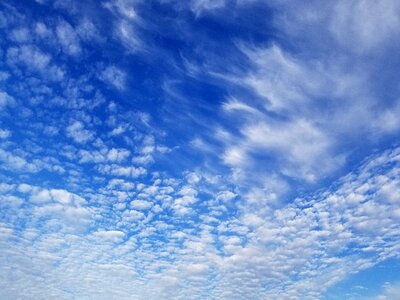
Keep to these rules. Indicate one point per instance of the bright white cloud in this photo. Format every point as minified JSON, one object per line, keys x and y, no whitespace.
{"x":141,"y":204}
{"x":118,"y":170}
{"x":76,"y":130}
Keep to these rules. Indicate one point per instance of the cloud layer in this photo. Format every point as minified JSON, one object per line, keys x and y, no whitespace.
{"x":197,"y":150}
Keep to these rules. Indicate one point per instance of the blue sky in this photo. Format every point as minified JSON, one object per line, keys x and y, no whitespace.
{"x":199,"y":149}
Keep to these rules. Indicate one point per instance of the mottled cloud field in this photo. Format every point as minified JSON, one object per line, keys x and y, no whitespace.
{"x":226,"y":149}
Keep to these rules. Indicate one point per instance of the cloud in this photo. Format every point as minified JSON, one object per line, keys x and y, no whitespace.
{"x":391,"y":291}
{"x":263,"y":248}
{"x":29,"y":56}
{"x":199,"y":6}
{"x":298,"y":108}
{"x":363,"y":27}
{"x":15,"y":162}
{"x":306,"y":151}
{"x":76,"y":130}
{"x":34,"y":60}
{"x":20,"y":35}
{"x":117,"y":170}
{"x":126,"y":23}
{"x":68,"y":38}
{"x":4,"y":133}
{"x":123,"y":204}
{"x":141,"y":204}
{"x":110,"y":235}
{"x":114,"y":76}
{"x":6,"y":100}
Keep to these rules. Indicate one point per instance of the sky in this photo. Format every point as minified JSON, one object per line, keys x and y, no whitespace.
{"x":199,"y":149}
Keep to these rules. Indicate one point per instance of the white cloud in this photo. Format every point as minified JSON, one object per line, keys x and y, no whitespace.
{"x":363,"y":26}
{"x":68,"y":38}
{"x":20,"y":35}
{"x":193,"y":178}
{"x":15,"y":162}
{"x":42,"y":196}
{"x":141,"y":204}
{"x":391,"y":292}
{"x":6,"y":100}
{"x":34,"y":60}
{"x":4,"y":133}
{"x":114,"y":76}
{"x":226,"y":196}
{"x":78,"y":133}
{"x":200,"y":6}
{"x":126,"y":23}
{"x":306,"y":149}
{"x":117,"y":154}
{"x":110,"y":235}
{"x":235,"y":156}
{"x":42,"y":30}
{"x":29,"y":56}
{"x":122,"y":184}
{"x":24,"y":188}
{"x":202,"y":234}
{"x":118,"y":170}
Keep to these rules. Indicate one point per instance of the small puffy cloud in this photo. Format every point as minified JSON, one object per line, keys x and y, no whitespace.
{"x":24,"y":188}
{"x":61,"y":196}
{"x":42,"y":30}
{"x":141,"y":204}
{"x":226,"y":196}
{"x":114,"y":76}
{"x":28,"y":56}
{"x":118,"y":170}
{"x":4,"y":133}
{"x":235,"y":156}
{"x":20,"y":35}
{"x":6,"y":100}
{"x":117,"y":131}
{"x":117,"y":155}
{"x":15,"y":162}
{"x":51,"y":130}
{"x":5,"y":187}
{"x":78,"y":133}
{"x":113,"y":236}
{"x":193,"y":178}
{"x":4,"y":76}
{"x":143,"y":159}
{"x":41,"y":196}
{"x":132,"y":215}
{"x":68,"y":38}
{"x":54,"y":195}
{"x":35,"y":60}
{"x":121,"y":184}
{"x":188,"y":191}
